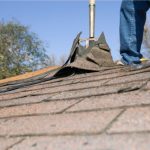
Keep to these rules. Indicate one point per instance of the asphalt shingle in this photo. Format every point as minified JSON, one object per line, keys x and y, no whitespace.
{"x":105,"y":110}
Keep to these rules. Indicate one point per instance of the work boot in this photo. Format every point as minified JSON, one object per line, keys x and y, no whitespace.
{"x":144,"y":63}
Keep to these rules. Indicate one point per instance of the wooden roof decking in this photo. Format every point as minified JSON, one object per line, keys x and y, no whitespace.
{"x":28,"y":75}
{"x":106,"y":110}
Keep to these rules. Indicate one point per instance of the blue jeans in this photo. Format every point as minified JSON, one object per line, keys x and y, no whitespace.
{"x":132,"y":21}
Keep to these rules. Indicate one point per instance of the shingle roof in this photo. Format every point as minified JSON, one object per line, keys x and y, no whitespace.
{"x":105,"y":110}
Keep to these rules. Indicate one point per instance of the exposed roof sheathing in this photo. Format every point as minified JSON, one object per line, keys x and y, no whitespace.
{"x":28,"y":75}
{"x":105,"y":110}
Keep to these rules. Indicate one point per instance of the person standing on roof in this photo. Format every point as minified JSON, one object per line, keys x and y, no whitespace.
{"x":132,"y":21}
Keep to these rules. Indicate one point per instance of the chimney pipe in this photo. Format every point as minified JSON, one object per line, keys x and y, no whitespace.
{"x":91,"y":19}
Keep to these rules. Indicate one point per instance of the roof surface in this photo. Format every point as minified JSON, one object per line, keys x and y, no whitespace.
{"x":105,"y":110}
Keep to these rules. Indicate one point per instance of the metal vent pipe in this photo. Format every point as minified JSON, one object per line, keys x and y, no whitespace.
{"x":91,"y":18}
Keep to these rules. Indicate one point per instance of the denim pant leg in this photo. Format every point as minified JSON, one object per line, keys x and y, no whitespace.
{"x":132,"y":20}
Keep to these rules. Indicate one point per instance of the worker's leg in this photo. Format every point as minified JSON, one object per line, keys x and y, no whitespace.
{"x":132,"y":20}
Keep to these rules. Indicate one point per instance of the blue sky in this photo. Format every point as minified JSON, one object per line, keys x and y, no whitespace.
{"x":58,"y":22}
